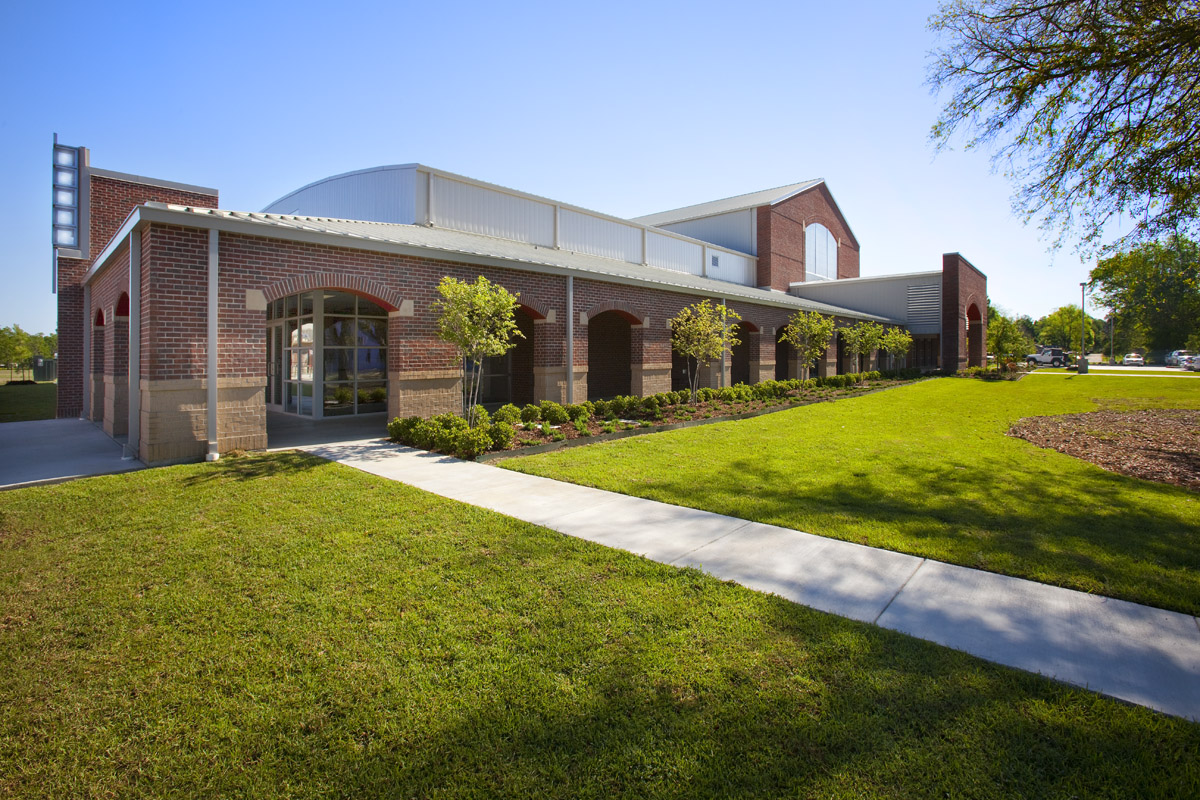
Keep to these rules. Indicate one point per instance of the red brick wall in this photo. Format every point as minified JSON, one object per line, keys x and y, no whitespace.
{"x":175,"y":285}
{"x":174,"y":314}
{"x":962,"y":286}
{"x":110,"y":201}
{"x":781,"y":238}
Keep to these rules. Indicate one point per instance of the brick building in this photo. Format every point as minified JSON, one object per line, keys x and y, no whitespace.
{"x":187,"y":328}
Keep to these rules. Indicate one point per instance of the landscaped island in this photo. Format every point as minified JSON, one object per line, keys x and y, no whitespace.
{"x":512,"y":428}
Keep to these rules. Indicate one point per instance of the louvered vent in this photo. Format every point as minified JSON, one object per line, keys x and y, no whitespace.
{"x":925,"y":306}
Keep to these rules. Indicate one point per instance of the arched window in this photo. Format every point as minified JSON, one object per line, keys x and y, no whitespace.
{"x":820,"y":253}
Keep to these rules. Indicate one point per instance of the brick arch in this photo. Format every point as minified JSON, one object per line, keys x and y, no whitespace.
{"x":749,"y":326}
{"x":534,"y":308}
{"x":98,"y":321}
{"x":390,"y":299}
{"x":122,"y":305}
{"x":627,"y":311}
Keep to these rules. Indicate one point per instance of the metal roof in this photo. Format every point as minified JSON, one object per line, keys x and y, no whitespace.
{"x":766,"y":197}
{"x":422,"y":240}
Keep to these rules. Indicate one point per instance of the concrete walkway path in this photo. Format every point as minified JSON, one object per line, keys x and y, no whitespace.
{"x":1136,"y":653}
{"x":55,"y":450}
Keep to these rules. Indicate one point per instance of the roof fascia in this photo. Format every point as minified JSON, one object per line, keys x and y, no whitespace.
{"x":160,"y":214}
{"x":141,"y":179}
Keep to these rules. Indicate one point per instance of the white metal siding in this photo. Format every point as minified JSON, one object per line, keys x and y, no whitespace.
{"x":583,"y":233}
{"x":475,"y":209}
{"x":737,"y":230}
{"x":674,"y":254}
{"x":732,"y":268}
{"x":380,"y":195}
{"x":925,"y":308}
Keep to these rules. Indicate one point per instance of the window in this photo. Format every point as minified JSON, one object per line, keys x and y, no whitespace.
{"x":820,"y":253}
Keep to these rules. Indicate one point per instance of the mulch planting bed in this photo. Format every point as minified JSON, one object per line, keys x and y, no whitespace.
{"x":1158,"y":445}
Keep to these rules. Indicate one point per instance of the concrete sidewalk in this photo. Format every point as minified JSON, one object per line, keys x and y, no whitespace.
{"x":55,"y":450}
{"x":1136,"y":653}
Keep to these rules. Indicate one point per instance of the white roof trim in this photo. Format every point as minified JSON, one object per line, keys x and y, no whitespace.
{"x":448,"y":245}
{"x":843,"y":281}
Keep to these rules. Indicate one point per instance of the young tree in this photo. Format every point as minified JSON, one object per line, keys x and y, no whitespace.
{"x":896,"y":342}
{"x":809,"y":334}
{"x":702,"y":333}
{"x":1091,"y":105}
{"x":1157,"y":287}
{"x":479,"y":319}
{"x":1006,"y":339}
{"x":862,"y":339}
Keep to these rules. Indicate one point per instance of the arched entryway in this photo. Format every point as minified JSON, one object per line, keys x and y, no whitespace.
{"x":975,"y":337}
{"x":327,"y":354}
{"x":610,"y":354}
{"x":116,"y":388}
{"x":739,"y":354}
{"x":98,"y":366}
{"x":509,"y":378}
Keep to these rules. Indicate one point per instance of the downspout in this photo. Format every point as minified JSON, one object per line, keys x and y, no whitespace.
{"x":570,"y":339}
{"x":214,"y":452}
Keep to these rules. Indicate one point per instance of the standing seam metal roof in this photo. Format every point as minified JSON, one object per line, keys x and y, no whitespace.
{"x":741,"y":202}
{"x":359,"y":233}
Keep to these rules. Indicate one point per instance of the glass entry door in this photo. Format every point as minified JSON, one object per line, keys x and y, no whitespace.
{"x":326,"y":355}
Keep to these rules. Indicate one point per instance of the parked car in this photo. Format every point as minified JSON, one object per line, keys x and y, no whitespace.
{"x":1051,"y":356}
{"x":1175,"y":355}
{"x":1190,"y":362}
{"x":1134,"y":360}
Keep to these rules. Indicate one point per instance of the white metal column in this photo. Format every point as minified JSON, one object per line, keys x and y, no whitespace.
{"x":214,"y":452}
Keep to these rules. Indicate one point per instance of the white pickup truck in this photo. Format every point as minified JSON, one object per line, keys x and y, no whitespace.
{"x":1050,"y":357}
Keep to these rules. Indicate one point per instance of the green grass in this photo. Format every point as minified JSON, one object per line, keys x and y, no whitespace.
{"x":277,"y":626}
{"x":22,"y":403}
{"x":927,"y":469}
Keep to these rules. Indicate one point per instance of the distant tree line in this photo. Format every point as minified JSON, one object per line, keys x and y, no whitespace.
{"x":18,"y":347}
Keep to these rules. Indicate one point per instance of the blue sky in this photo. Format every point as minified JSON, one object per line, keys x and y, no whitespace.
{"x":625,"y":108}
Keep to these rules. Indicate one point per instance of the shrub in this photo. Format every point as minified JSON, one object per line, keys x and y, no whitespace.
{"x":706,"y":394}
{"x":609,"y":427}
{"x":401,"y":430}
{"x":619,"y":406}
{"x":531,"y":413}
{"x":557,"y":436}
{"x":554,"y":413}
{"x":469,"y":442}
{"x":581,"y":427}
{"x":579,"y":412}
{"x":482,"y":418}
{"x":507,"y":413}
{"x":602,"y":409}
{"x":651,"y":405}
{"x":502,"y":434}
{"x":546,"y":429}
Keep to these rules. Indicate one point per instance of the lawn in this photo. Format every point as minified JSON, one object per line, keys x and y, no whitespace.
{"x":21,"y":403}
{"x":278,"y":626}
{"x":927,"y":469}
